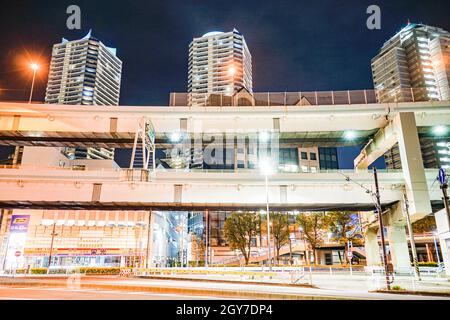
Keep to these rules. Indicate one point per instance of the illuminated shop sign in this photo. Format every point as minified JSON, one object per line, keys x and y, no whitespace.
{"x":19,"y":223}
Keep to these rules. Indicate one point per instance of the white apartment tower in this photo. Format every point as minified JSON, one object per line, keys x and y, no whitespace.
{"x":219,"y":63}
{"x":84,"y":72}
{"x":414,"y":65}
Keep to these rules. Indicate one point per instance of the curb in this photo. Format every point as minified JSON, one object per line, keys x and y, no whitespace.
{"x":305,"y":285}
{"x":416,"y":293}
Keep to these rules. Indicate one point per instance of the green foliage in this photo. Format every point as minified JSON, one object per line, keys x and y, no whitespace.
{"x":38,"y":270}
{"x":427,"y":264}
{"x":397,"y":288}
{"x":239,"y":229}
{"x":279,"y":230}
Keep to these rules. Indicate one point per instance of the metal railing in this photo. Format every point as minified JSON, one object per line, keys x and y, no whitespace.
{"x":301,"y":98}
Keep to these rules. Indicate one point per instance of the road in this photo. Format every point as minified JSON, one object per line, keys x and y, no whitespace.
{"x":113,"y":287}
{"x":45,"y":293}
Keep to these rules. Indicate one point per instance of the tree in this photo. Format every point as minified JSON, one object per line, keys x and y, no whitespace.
{"x":280,"y":231}
{"x":239,"y":230}
{"x":344,"y":226}
{"x":313,"y":225}
{"x":427,"y":224}
{"x":197,"y":249}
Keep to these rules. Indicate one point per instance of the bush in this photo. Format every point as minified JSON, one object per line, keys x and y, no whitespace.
{"x":38,"y":270}
{"x":105,"y":270}
{"x":194,"y":263}
{"x":427,"y":264}
{"x":397,"y":288}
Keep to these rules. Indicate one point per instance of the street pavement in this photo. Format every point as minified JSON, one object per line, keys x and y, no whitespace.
{"x":45,"y":293}
{"x":126,"y":287}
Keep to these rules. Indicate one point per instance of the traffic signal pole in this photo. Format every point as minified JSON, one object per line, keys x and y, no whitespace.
{"x":380,"y":221}
{"x":444,"y":187}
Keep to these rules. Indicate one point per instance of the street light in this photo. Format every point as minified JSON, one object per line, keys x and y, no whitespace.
{"x":350,"y":135}
{"x":439,"y":130}
{"x":34,"y":66}
{"x":266,"y":167}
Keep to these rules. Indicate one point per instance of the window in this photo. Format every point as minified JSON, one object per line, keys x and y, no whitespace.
{"x":312,"y":156}
{"x":313,"y":169}
{"x":288,"y":156}
{"x":304,"y":168}
{"x":304,"y":156}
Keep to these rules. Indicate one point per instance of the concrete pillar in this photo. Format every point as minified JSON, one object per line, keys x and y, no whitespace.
{"x":372,"y":249}
{"x":443,"y":228}
{"x":395,"y":222}
{"x":412,"y":165}
{"x":398,"y":246}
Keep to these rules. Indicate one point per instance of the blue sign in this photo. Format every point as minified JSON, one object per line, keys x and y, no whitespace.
{"x":441,"y":176}
{"x":19,"y":223}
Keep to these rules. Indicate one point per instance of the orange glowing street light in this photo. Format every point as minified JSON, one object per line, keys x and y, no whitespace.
{"x":34,"y":66}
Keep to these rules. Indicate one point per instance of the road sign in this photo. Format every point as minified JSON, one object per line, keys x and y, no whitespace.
{"x":350,"y":254}
{"x":441,"y":176}
{"x":17,"y":253}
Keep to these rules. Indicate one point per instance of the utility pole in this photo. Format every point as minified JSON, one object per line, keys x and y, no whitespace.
{"x":51,"y":247}
{"x":380,"y":221}
{"x":411,"y":238}
{"x":206,"y":236}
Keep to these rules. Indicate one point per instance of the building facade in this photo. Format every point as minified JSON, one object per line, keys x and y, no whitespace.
{"x":414,"y":65}
{"x":84,"y":72}
{"x":220,"y":63}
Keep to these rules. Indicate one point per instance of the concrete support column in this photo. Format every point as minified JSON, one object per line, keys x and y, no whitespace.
{"x":398,"y":246}
{"x":372,"y":248}
{"x":412,"y":165}
{"x":443,"y":228}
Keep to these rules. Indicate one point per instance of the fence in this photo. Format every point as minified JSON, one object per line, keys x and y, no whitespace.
{"x":301,"y":98}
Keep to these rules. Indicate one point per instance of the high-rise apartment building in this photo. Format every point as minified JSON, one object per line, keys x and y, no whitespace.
{"x":414,"y":65}
{"x":219,"y":64}
{"x":84,"y":72}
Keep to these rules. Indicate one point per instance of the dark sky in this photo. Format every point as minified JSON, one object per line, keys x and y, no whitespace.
{"x":295,"y":45}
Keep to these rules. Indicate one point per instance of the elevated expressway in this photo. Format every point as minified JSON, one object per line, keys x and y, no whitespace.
{"x":58,"y":188}
{"x":115,"y":126}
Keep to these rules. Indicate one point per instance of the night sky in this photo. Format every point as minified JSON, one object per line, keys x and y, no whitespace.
{"x":295,"y":45}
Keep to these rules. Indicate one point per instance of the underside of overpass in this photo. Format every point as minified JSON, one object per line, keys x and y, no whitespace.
{"x":166,"y":206}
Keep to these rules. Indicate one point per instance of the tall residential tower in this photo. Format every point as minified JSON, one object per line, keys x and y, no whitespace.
{"x":414,"y":65}
{"x":84,"y":72}
{"x":219,"y":63}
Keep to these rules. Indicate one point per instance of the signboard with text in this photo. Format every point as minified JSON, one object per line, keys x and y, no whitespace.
{"x":18,"y":230}
{"x":19,"y":223}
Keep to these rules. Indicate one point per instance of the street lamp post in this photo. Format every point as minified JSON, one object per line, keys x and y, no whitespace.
{"x":34,"y":67}
{"x":265,"y":167}
{"x":268,"y":223}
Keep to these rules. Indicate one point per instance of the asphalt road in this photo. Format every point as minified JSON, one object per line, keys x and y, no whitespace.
{"x":43,"y":293}
{"x":105,"y":287}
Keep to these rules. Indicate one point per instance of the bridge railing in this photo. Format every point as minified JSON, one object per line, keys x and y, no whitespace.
{"x":302,"y":98}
